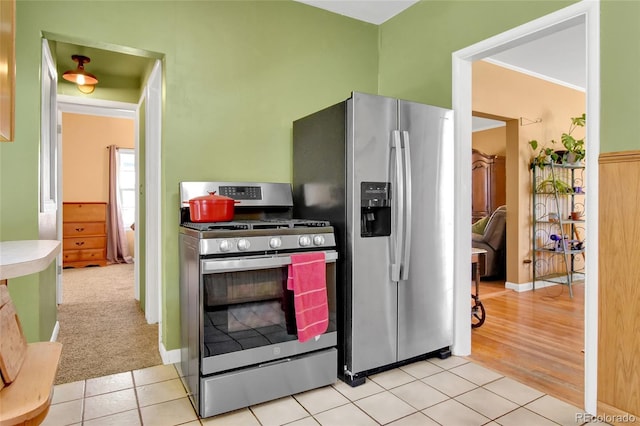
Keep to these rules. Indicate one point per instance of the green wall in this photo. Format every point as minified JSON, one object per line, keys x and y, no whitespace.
{"x":619,"y":75}
{"x":48,"y":312}
{"x":34,"y":297}
{"x":237,"y":73}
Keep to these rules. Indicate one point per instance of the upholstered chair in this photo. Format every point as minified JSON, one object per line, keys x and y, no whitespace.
{"x":493,"y":240}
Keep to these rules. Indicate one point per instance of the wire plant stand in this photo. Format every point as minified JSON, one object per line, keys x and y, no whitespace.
{"x":558,"y":224}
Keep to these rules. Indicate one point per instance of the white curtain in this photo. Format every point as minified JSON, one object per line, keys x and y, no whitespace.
{"x":117,"y":247}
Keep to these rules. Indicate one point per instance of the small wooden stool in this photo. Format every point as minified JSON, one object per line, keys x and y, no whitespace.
{"x":28,"y":370}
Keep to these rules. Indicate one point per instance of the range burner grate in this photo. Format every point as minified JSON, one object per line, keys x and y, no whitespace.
{"x":212,"y":226}
{"x":256,"y":224}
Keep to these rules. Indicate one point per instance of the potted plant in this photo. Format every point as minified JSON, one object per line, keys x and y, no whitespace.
{"x":574,"y":148}
{"x":544,"y":156}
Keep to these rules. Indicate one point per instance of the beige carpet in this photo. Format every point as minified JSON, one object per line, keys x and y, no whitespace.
{"x":102,"y":328}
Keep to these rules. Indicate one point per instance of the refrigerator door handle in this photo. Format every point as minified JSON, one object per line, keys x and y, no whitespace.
{"x":396,"y":261}
{"x":406,"y":235}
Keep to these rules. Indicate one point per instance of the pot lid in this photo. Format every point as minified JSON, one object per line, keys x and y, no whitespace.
{"x":213,"y":197}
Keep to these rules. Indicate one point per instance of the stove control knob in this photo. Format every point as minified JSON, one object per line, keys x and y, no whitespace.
{"x":305,"y":241}
{"x":243,"y":244}
{"x":225,"y":245}
{"x":318,"y":240}
{"x":275,"y":242}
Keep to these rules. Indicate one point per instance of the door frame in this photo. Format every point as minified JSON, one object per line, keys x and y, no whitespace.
{"x":152,"y":92}
{"x":103,"y":108}
{"x":50,"y":163}
{"x":462,"y":60}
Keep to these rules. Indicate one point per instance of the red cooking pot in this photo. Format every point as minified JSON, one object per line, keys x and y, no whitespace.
{"x":211,"y":208}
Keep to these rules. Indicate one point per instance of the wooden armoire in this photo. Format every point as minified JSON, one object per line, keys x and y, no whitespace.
{"x":488,"y":190}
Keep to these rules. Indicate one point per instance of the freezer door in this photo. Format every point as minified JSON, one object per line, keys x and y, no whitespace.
{"x":373,"y":305}
{"x":425,"y":298}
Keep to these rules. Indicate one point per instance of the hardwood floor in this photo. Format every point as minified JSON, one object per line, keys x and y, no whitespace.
{"x":489,"y":289}
{"x":535,"y":337}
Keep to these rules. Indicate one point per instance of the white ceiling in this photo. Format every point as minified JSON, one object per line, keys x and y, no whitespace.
{"x":559,"y":57}
{"x":373,"y":11}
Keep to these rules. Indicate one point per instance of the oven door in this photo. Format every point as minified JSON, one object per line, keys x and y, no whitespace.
{"x":247,"y":314}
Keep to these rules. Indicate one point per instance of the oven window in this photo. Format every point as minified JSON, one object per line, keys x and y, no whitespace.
{"x":248,"y":309}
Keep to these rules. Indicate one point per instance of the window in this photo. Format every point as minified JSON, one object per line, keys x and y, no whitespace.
{"x":127,"y":185}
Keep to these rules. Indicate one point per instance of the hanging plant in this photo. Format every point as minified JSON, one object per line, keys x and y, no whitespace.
{"x":551,"y":185}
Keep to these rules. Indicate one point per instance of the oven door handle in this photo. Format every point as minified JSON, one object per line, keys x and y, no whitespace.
{"x":211,"y":266}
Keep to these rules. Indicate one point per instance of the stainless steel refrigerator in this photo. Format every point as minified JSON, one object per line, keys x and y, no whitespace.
{"x":380,"y":170}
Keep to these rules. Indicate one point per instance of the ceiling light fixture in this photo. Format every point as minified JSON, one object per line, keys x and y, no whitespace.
{"x":79,"y":76}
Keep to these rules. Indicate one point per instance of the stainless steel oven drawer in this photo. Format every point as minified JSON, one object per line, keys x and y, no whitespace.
{"x":242,"y":388}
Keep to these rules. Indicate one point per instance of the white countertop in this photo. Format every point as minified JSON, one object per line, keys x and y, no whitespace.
{"x":18,"y":258}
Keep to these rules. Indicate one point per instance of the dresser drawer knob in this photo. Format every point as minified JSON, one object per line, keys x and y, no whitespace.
{"x":80,"y":243}
{"x":79,"y":229}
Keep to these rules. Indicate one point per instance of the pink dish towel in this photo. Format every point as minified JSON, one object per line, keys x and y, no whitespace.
{"x":307,"y":280}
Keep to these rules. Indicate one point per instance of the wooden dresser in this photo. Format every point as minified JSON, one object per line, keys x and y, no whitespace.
{"x":488,"y":190}
{"x":84,"y":231}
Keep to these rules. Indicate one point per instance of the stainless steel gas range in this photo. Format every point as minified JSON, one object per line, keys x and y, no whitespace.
{"x":239,"y":338}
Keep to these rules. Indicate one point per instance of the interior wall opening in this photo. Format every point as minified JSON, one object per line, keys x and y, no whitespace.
{"x":462,"y":65}
{"x":111,"y":103}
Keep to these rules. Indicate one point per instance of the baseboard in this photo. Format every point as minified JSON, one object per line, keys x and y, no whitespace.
{"x":56,"y":331}
{"x":614,"y":416}
{"x":169,"y":357}
{"x":527,"y":286}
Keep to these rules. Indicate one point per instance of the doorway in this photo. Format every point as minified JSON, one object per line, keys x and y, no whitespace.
{"x":87,"y":133}
{"x":489,"y":194}
{"x":587,"y":12}
{"x":139,"y":96}
{"x":98,"y":295}
{"x":146,"y":111}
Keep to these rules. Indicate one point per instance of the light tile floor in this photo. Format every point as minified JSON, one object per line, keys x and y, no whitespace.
{"x":453,"y":392}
